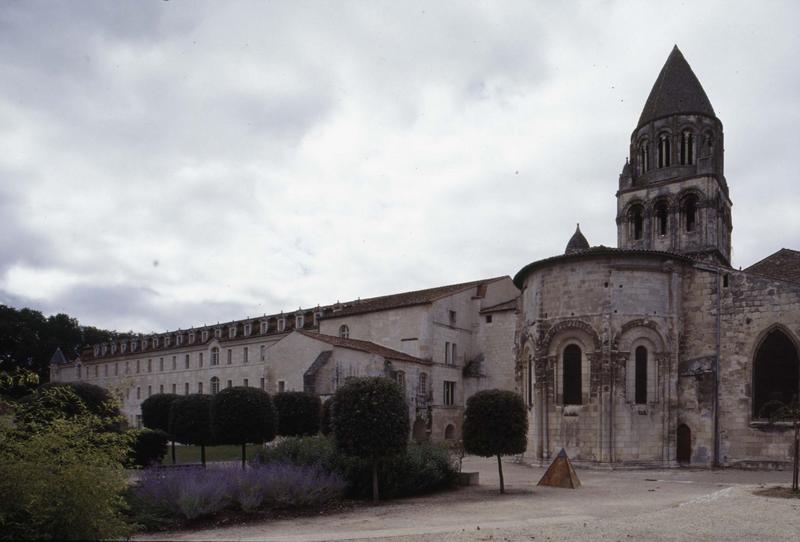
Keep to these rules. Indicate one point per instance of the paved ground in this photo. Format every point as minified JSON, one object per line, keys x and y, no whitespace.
{"x":612,"y":505}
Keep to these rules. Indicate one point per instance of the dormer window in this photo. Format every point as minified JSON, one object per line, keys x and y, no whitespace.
{"x":96,"y":350}
{"x":299,"y":321}
{"x":144,"y":344}
{"x":104,"y":349}
{"x":664,"y":150}
{"x":155,"y":342}
{"x":167,"y":341}
{"x":232,"y":332}
{"x":179,"y":339}
{"x":191,"y":337}
{"x":264,"y":327}
{"x":344,"y":332}
{"x":123,"y":347}
{"x":113,"y":348}
{"x":134,"y":345}
{"x":218,"y":333}
{"x":205,"y":335}
{"x":687,"y":148}
{"x":281,"y":324}
{"x":247,"y":329}
{"x":317,"y":316}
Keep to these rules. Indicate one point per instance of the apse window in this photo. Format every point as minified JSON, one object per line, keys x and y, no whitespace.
{"x":641,"y":376}
{"x":572,"y":375}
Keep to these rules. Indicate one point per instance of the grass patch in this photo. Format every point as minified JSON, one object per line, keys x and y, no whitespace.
{"x":778,"y":491}
{"x":191,"y":454}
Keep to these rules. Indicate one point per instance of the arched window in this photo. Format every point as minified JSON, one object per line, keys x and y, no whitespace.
{"x":214,"y":385}
{"x":664,"y":150}
{"x":215,"y":356}
{"x":572,"y":375}
{"x":637,"y":222}
{"x":644,"y":156}
{"x":687,"y":148}
{"x":776,"y":374}
{"x":662,"y":217}
{"x":690,"y":213}
{"x":641,"y":375}
{"x":344,"y":332}
{"x":530,"y":380}
{"x":449,"y":432}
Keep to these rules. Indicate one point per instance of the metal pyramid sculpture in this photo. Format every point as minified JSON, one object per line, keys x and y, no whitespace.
{"x":560,"y":473}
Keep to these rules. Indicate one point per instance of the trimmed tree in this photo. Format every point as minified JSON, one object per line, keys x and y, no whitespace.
{"x":298,"y":413}
{"x":241,"y":415}
{"x":495,"y":423}
{"x":149,"y":447}
{"x":326,"y":418}
{"x":371,"y":421}
{"x":189,"y":421}
{"x":155,"y":414}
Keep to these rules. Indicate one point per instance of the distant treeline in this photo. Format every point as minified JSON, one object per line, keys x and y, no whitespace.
{"x":28,"y":339}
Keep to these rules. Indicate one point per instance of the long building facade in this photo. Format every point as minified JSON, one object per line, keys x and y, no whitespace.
{"x":654,"y":353}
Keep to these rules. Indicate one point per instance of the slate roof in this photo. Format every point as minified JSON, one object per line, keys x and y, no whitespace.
{"x":577,"y":242}
{"x":510,"y":305}
{"x":782,"y":265}
{"x":363,"y":346}
{"x":408,"y":299}
{"x":676,"y":90}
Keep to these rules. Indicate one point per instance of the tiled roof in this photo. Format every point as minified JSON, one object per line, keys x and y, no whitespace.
{"x":676,"y":90}
{"x":510,"y":305}
{"x":577,"y":241}
{"x":363,"y":346}
{"x":783,"y":265}
{"x":407,"y":299}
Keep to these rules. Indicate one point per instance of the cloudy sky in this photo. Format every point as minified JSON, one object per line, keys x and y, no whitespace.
{"x":169,"y":164}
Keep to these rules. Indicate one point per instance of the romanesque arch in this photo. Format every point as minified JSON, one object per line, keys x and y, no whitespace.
{"x":569,"y":345}
{"x":640,"y":345}
{"x":776,"y":370}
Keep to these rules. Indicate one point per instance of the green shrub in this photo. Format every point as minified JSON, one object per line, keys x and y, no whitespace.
{"x":495,"y":424}
{"x":149,"y":446}
{"x":63,"y":483}
{"x":18,"y":383}
{"x":155,"y":411}
{"x":421,"y":469}
{"x":241,"y":415}
{"x":298,"y":413}
{"x":190,"y":421}
{"x":47,"y":405}
{"x":98,"y":400}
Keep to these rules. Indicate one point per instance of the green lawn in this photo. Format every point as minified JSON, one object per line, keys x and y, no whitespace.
{"x":191,"y":454}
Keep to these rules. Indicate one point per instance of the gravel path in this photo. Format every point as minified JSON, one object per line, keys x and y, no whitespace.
{"x":661,"y":505}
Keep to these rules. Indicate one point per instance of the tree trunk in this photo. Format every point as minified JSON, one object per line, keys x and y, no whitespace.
{"x":500,"y":470}
{"x":375,"y":496}
{"x":796,"y":456}
{"x":244,"y":455}
{"x":203,"y":455}
{"x":173,"y":452}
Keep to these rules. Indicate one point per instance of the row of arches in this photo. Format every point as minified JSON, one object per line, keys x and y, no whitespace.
{"x":775,"y":369}
{"x":686,"y":151}
{"x":662,"y":213}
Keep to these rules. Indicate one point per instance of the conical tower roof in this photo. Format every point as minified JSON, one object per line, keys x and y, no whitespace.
{"x":577,"y":242}
{"x":677,"y":90}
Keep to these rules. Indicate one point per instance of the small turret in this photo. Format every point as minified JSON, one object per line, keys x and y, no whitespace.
{"x":577,"y":242}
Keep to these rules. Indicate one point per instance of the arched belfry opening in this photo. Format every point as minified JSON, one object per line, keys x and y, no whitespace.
{"x":776,"y":373}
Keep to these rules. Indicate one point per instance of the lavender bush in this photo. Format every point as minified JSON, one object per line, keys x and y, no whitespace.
{"x":195,"y":492}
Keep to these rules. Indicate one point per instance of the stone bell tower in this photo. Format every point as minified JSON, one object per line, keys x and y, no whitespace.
{"x":672,"y":194}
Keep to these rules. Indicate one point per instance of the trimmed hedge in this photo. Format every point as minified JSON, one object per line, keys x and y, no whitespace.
{"x":149,"y":447}
{"x":155,"y":411}
{"x":298,"y":413}
{"x":326,"y":419}
{"x":190,"y":419}
{"x":241,"y":415}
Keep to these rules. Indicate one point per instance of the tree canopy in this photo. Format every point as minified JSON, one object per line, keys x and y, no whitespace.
{"x":298,"y":413}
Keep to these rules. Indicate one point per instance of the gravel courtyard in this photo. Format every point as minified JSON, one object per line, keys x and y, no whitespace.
{"x":676,"y":504}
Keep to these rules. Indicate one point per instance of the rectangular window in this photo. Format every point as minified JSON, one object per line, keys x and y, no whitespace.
{"x":488,"y":318}
{"x":281,"y":386}
{"x":199,"y":387}
{"x":453,"y":354}
{"x":230,"y":356}
{"x":161,"y":388}
{"x":247,"y":329}
{"x":447,"y":353}
{"x":281,"y":324}
{"x":149,"y":391}
{"x":138,"y":392}
{"x":186,"y":388}
{"x":246,"y":383}
{"x":200,"y":359}
{"x":449,"y":393}
{"x":263,"y":327}
{"x":96,"y":371}
{"x":160,"y":364}
{"x":263,"y":384}
{"x":263,"y":351}
{"x":127,"y":368}
{"x":138,"y":421}
{"x":230,"y":383}
{"x":244,"y":354}
{"x":174,"y":389}
{"x":186,"y":361}
{"x":452,"y":315}
{"x":116,"y":369}
{"x":137,"y":365}
{"x":149,"y":365}
{"x":174,"y":362}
